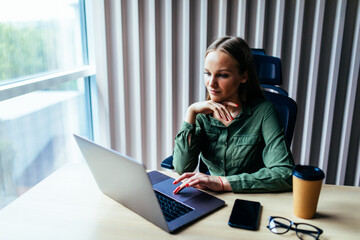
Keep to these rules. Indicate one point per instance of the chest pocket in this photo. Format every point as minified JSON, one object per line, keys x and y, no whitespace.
{"x":246,"y":147}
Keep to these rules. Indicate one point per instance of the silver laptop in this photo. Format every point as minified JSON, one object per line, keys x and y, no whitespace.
{"x":148,"y":194}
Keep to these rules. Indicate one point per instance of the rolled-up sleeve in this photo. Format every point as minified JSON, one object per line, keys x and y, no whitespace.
{"x":185,"y":155}
{"x":264,"y":180}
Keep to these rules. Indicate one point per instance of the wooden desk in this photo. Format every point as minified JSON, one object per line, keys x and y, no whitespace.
{"x":68,"y":205}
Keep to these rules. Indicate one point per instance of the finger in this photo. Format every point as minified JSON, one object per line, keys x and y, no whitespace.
{"x":183,"y":176}
{"x":227,"y":114}
{"x":222,"y":109}
{"x":232,"y":104}
{"x":218,"y":108}
{"x":188,"y":183}
{"x":192,"y":183}
{"x":179,"y":188}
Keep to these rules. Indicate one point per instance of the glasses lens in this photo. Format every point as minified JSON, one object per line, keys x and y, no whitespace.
{"x":305,"y":231}
{"x":279,"y":225}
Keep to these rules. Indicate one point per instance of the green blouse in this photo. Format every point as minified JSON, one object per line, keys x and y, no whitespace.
{"x":251,"y":152}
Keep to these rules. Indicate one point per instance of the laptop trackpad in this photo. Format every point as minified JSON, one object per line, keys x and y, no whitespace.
{"x":168,"y":187}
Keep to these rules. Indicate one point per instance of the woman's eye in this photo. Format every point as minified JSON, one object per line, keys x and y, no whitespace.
{"x":223,"y":75}
{"x":207,"y":74}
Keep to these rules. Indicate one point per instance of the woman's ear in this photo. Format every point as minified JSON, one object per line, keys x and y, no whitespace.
{"x":244,"y":77}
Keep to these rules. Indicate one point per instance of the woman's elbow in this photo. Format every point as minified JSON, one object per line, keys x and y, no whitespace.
{"x":183,"y":165}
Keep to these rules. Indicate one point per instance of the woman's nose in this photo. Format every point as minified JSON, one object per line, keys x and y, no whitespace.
{"x":212,"y":82}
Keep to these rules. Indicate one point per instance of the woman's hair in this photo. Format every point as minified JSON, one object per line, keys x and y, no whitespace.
{"x":238,"y":49}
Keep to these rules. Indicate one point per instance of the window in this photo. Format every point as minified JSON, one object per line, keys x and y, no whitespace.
{"x":39,"y":36}
{"x":45,"y":84}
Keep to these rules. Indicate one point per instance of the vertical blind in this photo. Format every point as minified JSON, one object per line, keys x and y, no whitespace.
{"x":154,"y":51}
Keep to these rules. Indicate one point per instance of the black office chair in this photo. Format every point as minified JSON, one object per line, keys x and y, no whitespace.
{"x":167,"y":163}
{"x":287,"y":110}
{"x":259,"y":51}
{"x":269,"y":71}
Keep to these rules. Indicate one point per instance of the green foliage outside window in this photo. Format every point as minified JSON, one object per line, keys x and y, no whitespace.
{"x":27,"y":50}
{"x":38,"y":47}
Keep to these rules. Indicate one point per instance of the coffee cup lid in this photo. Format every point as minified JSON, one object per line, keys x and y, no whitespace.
{"x":307,"y":172}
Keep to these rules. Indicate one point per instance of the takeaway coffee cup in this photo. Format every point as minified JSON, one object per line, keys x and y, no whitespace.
{"x":307,"y":181}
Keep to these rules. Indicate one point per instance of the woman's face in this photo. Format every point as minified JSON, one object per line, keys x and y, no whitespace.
{"x":222,"y":77}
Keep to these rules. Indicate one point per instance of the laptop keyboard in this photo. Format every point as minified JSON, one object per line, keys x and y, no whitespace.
{"x":171,"y":208}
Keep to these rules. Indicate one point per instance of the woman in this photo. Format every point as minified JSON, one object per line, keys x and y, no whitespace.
{"x":236,"y":131}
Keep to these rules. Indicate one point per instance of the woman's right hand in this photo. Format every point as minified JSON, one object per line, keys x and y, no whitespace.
{"x":219,"y":109}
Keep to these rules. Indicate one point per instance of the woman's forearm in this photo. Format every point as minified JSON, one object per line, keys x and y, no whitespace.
{"x":190,"y":116}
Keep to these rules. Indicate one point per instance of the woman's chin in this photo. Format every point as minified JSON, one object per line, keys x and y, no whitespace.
{"x":216,"y":98}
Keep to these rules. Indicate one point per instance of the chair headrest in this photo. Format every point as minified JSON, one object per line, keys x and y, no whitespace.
{"x":268,"y":69}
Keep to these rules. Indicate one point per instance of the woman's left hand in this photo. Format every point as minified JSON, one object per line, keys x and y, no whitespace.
{"x":202,"y":181}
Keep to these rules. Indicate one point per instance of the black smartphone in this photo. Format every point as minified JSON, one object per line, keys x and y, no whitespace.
{"x":245,"y":214}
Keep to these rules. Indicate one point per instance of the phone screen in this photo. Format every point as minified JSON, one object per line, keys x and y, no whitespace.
{"x":245,"y":214}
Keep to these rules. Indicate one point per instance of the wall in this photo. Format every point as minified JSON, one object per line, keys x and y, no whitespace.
{"x":155,"y":52}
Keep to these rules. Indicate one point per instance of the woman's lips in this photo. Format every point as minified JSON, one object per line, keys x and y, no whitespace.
{"x":213,"y":92}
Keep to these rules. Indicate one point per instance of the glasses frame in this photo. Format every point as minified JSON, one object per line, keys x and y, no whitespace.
{"x":290,"y":227}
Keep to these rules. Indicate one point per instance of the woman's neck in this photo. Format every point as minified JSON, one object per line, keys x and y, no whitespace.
{"x":235,"y":110}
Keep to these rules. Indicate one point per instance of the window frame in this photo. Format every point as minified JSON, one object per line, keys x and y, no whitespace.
{"x":45,"y":80}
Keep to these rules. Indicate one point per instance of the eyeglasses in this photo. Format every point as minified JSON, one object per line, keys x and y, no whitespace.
{"x":304,"y":231}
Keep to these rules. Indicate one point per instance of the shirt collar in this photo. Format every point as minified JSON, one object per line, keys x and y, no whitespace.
{"x":246,"y":109}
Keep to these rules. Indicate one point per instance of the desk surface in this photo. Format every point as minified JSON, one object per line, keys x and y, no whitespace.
{"x":68,"y":205}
